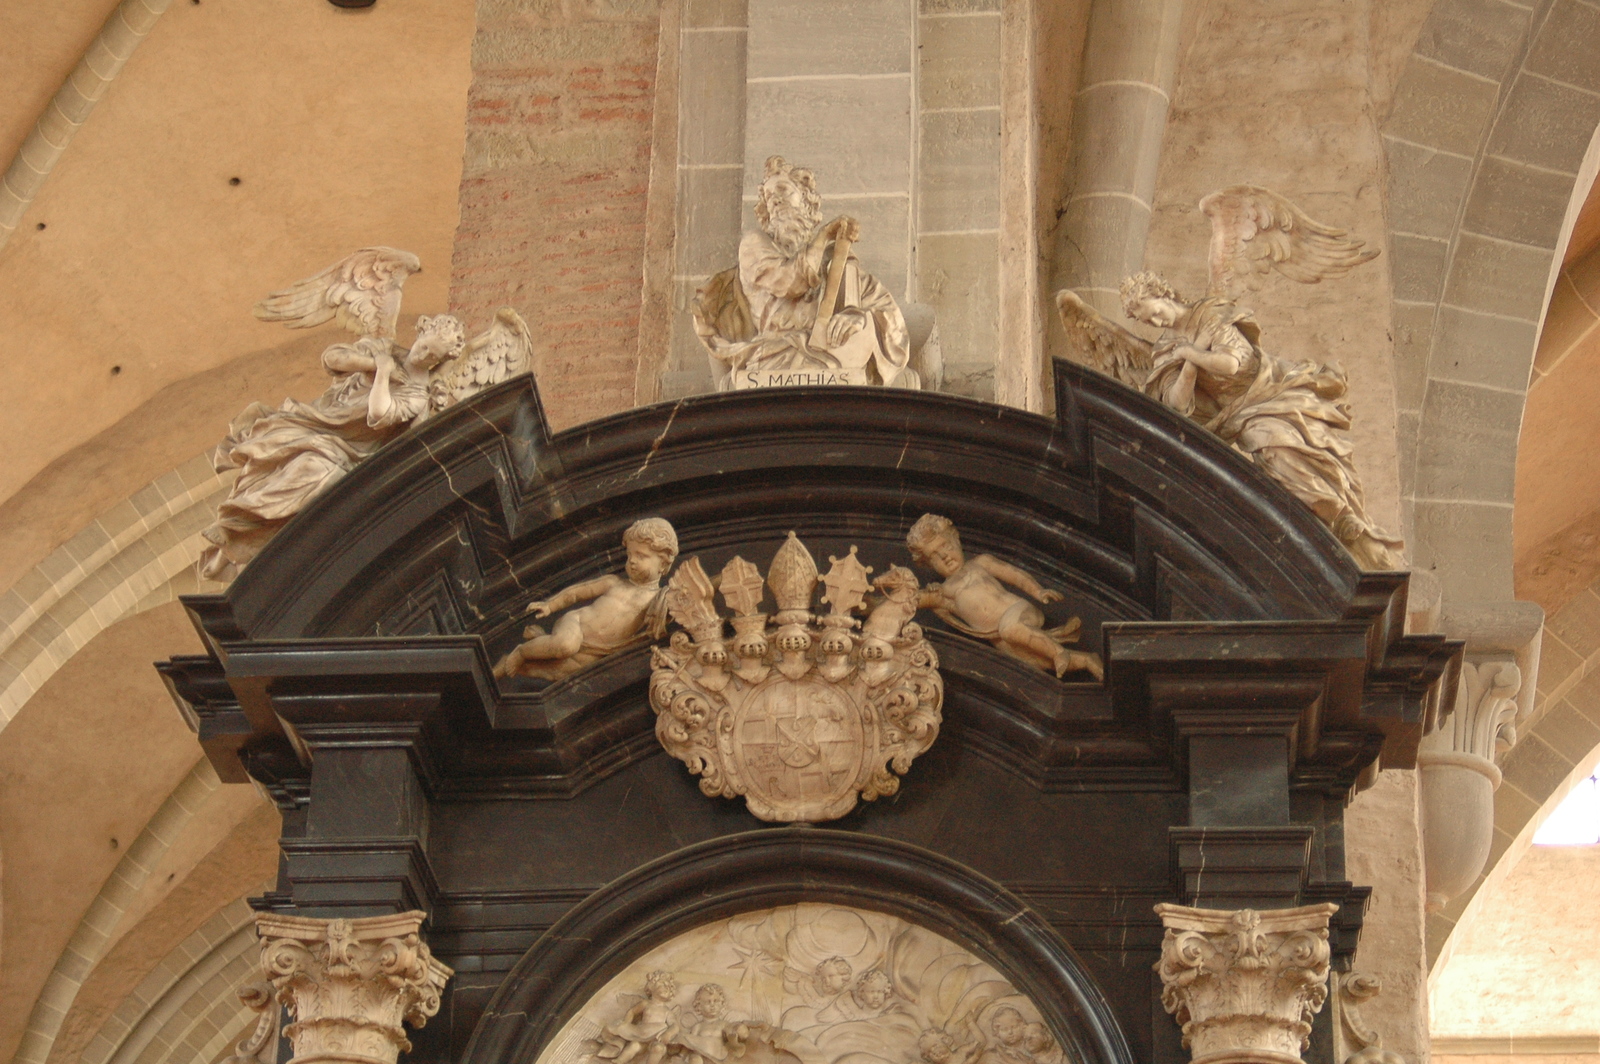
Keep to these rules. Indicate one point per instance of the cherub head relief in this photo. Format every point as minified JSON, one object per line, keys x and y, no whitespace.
{"x":832,"y":976}
{"x":788,"y":205}
{"x":1147,"y":297}
{"x":660,"y":985}
{"x":652,"y":547}
{"x":1008,"y":1026}
{"x":872,"y":990}
{"x":710,"y":1001}
{"x":936,"y":1045}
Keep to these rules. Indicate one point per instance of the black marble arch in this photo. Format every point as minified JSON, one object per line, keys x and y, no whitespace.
{"x":759,"y":870}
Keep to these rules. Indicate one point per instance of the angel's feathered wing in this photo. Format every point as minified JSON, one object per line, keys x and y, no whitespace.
{"x":500,"y":352}
{"x":361,"y":290}
{"x":1255,"y":230}
{"x":1103,"y":344}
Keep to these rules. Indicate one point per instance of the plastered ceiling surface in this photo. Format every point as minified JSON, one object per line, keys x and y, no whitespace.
{"x":343,"y":129}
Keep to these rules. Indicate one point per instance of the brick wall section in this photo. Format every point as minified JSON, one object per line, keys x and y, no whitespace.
{"x":554,"y":189}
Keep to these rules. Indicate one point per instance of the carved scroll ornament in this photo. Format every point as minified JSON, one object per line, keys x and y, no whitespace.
{"x":1244,"y":985}
{"x":807,"y":714}
{"x":348,"y":984}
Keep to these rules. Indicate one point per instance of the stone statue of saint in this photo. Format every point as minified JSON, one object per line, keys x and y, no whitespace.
{"x":798,"y":309}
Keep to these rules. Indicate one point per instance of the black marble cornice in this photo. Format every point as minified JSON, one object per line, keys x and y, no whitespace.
{"x":1134,"y":511}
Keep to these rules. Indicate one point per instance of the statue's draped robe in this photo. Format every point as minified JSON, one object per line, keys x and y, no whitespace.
{"x":758,"y":317}
{"x":1290,"y":418}
{"x":287,"y":456}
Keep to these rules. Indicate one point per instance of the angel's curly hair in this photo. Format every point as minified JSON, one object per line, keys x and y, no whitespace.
{"x":715,"y":999}
{"x":1145,"y":285}
{"x":928,"y":529}
{"x":807,"y":181}
{"x":654,"y":534}
{"x":659,"y":978}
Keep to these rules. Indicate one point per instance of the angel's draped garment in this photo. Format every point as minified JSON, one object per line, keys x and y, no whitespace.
{"x":1290,"y":418}
{"x":289,"y":455}
{"x":758,"y":317}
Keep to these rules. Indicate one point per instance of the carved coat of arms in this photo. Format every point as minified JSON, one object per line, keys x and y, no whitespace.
{"x":801,"y":713}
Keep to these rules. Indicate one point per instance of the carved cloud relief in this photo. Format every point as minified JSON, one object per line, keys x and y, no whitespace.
{"x":807,"y":984}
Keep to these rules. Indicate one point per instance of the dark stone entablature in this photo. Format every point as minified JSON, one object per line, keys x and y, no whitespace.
{"x":1253,"y":674}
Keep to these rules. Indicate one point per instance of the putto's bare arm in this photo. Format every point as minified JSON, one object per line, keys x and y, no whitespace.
{"x":1018,"y":579}
{"x":579,"y":592}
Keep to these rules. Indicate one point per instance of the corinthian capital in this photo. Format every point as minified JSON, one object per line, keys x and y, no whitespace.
{"x":350,"y":984}
{"x":1244,"y":985}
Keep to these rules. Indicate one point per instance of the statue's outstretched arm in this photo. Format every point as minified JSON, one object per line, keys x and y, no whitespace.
{"x":1018,"y":579}
{"x":582,"y":591}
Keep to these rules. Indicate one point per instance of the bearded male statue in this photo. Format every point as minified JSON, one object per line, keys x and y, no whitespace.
{"x":798,"y":309}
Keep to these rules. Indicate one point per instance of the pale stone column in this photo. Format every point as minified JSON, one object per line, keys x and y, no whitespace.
{"x":349,"y":985}
{"x":1130,"y":59}
{"x":1244,"y":985}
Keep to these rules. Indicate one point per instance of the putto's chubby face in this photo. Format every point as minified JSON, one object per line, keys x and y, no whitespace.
{"x":833,"y":978}
{"x":1009,"y":1027}
{"x":1157,"y":311}
{"x":873,"y":994}
{"x":944,"y":556}
{"x":645,"y":566}
{"x":707,"y":1004}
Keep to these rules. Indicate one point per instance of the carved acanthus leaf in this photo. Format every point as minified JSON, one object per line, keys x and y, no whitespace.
{"x":349,"y":984}
{"x":1244,"y":985}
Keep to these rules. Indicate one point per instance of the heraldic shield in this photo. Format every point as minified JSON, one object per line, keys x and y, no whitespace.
{"x":802,"y":714}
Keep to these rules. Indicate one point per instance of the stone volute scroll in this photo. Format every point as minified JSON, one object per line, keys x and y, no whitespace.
{"x":1290,"y":418}
{"x":350,"y":985}
{"x":819,"y":708}
{"x":289,"y":455}
{"x":1245,"y":984}
{"x":798,"y":308}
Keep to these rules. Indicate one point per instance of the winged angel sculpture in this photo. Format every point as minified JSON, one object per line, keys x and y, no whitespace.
{"x":287,"y":456}
{"x":1290,"y":418}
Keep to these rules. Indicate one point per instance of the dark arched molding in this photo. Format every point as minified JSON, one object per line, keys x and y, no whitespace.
{"x":756,"y":870}
{"x":1130,"y":507}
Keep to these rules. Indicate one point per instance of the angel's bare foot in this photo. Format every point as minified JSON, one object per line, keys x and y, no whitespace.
{"x":1077,"y":661}
{"x":509,"y":664}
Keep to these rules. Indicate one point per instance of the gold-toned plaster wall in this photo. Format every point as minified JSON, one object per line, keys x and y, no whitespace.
{"x":82,"y":768}
{"x":344,"y":128}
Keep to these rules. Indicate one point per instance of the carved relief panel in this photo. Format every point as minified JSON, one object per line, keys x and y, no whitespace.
{"x":807,"y":984}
